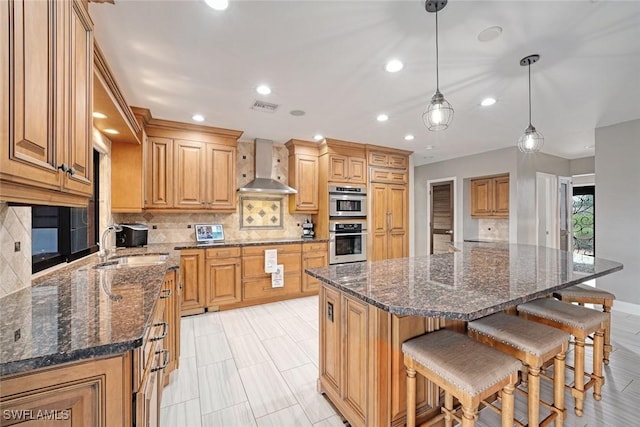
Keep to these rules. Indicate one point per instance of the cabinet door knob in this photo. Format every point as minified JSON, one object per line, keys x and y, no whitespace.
{"x":64,"y":167}
{"x":71,"y":171}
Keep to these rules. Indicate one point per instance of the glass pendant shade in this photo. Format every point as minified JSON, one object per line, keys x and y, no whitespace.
{"x":530,"y":141}
{"x":438,"y":114}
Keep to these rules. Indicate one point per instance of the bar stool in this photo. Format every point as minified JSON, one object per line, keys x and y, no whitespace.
{"x":533,"y":344}
{"x":584,"y":294}
{"x":579,"y":322}
{"x":463,"y":368}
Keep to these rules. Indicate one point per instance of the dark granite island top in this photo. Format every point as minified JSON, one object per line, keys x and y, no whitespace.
{"x":476,"y":280}
{"x":78,"y":312}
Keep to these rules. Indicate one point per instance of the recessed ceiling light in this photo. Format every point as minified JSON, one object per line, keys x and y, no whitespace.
{"x":197,"y":118}
{"x":428,"y":147}
{"x":318,"y":137}
{"x":263,"y":90}
{"x":99,"y":115}
{"x":409,"y":137}
{"x":489,"y":34}
{"x":111,"y":131}
{"x":394,"y":65}
{"x":297,"y":113}
{"x":382,"y":118}
{"x":217,"y":4}
{"x":488,"y":101}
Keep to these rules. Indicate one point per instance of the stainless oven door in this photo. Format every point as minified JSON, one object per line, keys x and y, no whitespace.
{"x":347,"y":205}
{"x":347,"y":247}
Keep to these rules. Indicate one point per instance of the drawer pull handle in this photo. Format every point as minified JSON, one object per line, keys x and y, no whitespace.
{"x":165,"y":362}
{"x":166,"y":293}
{"x":165,"y":330}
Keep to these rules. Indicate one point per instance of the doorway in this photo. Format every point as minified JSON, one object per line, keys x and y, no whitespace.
{"x":583,"y":215}
{"x":441,"y":216}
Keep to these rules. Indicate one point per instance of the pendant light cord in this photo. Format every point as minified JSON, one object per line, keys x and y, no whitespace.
{"x":437,"y":73}
{"x":529,"y":93}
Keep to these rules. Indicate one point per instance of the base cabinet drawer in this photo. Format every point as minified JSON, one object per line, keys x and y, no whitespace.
{"x":261,"y":288}
{"x":253,"y":266}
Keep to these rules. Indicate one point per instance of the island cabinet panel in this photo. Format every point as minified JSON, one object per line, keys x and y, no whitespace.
{"x":192,"y":270}
{"x":95,"y":393}
{"x":361,"y":361}
{"x":46,"y":90}
{"x":490,"y":197}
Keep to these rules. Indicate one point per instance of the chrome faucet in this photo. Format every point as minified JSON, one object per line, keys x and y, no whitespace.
{"x":104,"y":251}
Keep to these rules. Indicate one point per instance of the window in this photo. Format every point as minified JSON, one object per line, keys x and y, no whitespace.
{"x":62,"y":234}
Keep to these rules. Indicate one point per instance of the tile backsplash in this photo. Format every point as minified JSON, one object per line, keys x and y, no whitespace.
{"x":178,"y":227}
{"x":493,"y":229}
{"x":15,"y":266}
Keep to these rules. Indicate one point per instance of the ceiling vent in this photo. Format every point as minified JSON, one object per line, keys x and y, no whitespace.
{"x":265,"y":106}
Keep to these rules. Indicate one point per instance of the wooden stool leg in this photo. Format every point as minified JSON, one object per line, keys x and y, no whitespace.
{"x":578,"y":383}
{"x":469,"y":416}
{"x":448,"y":405}
{"x":598,"y":340}
{"x":411,"y":397}
{"x":534,"y":395}
{"x":507,"y":406}
{"x":606,"y":307}
{"x":558,"y":387}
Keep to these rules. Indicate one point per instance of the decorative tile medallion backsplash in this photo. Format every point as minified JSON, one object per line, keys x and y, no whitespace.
{"x":261,"y":212}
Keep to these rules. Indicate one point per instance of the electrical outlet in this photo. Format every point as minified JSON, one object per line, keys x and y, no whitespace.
{"x":188,"y":225}
{"x":155,"y":227}
{"x":16,"y":335}
{"x":16,"y":246}
{"x":330,"y":311}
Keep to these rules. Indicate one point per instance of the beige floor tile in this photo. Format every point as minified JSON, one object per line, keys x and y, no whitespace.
{"x":292,"y":416}
{"x":235,"y":323}
{"x":212,"y":348}
{"x":298,"y":329}
{"x":187,"y":338}
{"x":207,"y":323}
{"x":248,"y":350}
{"x":183,"y":385}
{"x":265,"y":326}
{"x":284,"y":352}
{"x":185,"y":414}
{"x":220,"y":386}
{"x":334,"y":421}
{"x":235,"y":416}
{"x":266,"y":389}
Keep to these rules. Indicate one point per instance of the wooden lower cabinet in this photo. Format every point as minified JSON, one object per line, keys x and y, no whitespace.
{"x":93,"y":393}
{"x":313,"y":255}
{"x":222,"y":277}
{"x":171,"y":294}
{"x":232,"y":276}
{"x":361,"y":364}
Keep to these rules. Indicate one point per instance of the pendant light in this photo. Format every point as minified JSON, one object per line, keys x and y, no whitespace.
{"x":531,"y":140}
{"x":439,"y":112}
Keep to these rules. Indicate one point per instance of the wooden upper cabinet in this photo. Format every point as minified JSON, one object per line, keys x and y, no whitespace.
{"x":220,"y":170}
{"x":347,"y":169}
{"x":490,"y":197}
{"x":303,"y":176}
{"x":159,"y":175}
{"x":46,"y":90}
{"x":388,"y":160}
{"x":189,"y":174}
{"x":190,"y":167}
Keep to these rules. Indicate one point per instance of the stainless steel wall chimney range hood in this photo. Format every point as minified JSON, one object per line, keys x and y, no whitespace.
{"x":263,"y":166}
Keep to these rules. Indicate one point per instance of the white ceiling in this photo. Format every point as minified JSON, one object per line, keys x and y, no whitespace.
{"x":178,"y":58}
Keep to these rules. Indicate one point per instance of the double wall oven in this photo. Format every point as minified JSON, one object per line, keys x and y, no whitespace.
{"x":347,"y":224}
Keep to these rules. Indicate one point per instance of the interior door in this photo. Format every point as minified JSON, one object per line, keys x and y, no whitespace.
{"x":441,"y":225}
{"x":566,"y":207}
{"x":548,"y":228}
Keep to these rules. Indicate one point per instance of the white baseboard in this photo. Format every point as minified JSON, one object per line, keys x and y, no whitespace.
{"x":626,"y":307}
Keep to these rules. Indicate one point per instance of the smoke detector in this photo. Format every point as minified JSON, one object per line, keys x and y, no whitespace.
{"x":266,"y":107}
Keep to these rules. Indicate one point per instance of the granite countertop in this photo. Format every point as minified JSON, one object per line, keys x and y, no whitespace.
{"x":476,"y":280}
{"x":238,"y":243}
{"x":78,"y":312}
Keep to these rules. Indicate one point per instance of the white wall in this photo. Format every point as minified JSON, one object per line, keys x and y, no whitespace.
{"x":489,"y":163}
{"x":585,"y":165}
{"x":618,"y":206}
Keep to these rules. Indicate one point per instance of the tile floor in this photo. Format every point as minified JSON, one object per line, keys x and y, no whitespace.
{"x":258,"y":366}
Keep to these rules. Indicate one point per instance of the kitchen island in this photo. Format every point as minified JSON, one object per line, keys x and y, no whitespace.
{"x":368,"y":309}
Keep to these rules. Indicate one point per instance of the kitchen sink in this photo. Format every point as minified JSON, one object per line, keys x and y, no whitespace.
{"x":134,"y":261}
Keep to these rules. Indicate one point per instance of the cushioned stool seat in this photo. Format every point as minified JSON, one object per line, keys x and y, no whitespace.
{"x":584,"y":294}
{"x":579,"y":322}
{"x":533,"y":344}
{"x":463,"y":368}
